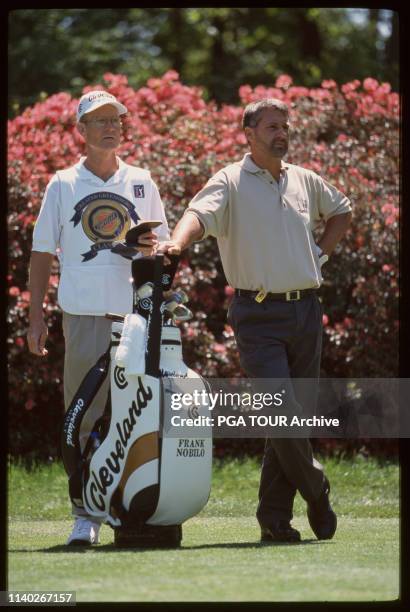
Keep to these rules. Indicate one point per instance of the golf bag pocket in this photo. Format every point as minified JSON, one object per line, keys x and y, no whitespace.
{"x":186,"y":456}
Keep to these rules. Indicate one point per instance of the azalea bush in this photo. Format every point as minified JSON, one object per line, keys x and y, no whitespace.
{"x":349,"y":134}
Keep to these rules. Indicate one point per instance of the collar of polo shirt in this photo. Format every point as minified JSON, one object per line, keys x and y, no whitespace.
{"x":250,"y":165}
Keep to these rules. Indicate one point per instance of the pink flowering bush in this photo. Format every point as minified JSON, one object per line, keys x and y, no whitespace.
{"x":349,"y":134}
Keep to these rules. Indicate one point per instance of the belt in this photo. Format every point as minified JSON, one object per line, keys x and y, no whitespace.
{"x":289,"y":296}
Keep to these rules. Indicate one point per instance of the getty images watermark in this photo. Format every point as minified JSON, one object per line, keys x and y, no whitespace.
{"x":253,"y":401}
{"x":256,"y":408}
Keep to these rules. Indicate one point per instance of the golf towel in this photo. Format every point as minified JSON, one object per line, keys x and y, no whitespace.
{"x":131,"y":350}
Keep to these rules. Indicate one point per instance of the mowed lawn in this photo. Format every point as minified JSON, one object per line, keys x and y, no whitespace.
{"x":221,"y":558}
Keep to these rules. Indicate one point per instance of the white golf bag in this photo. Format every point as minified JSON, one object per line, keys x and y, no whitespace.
{"x":134,"y":473}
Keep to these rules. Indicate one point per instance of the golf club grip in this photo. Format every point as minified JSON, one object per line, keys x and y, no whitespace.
{"x":154,"y":330}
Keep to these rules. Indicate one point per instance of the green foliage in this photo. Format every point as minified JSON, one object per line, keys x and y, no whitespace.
{"x":214,"y":47}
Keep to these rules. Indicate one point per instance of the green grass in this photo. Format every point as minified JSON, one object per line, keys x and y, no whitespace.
{"x":221,"y":558}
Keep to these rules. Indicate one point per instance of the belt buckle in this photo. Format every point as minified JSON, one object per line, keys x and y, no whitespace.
{"x":289,"y":296}
{"x":261,"y":295}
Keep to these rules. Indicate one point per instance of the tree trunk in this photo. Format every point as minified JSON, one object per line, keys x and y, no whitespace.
{"x":217,"y":59}
{"x":392,"y":43}
{"x":310,"y":39}
{"x":176,"y":51}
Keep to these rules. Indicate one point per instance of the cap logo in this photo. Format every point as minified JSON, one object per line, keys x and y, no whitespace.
{"x":102,"y":94}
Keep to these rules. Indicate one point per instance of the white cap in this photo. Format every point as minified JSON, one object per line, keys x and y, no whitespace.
{"x":94,"y":99}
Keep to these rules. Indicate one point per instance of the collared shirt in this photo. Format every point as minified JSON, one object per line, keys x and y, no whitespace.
{"x":264,"y":227}
{"x":80,"y":217}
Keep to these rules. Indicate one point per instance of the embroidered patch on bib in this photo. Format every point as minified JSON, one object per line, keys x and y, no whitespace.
{"x":104,"y":217}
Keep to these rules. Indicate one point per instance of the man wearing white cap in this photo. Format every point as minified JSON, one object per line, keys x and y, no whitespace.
{"x":85,"y":209}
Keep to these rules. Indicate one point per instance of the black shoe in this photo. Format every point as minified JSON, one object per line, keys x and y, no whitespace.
{"x":280,"y":532}
{"x":322,"y":518}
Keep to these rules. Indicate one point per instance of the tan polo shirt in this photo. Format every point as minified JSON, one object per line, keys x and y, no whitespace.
{"x":264,"y":228}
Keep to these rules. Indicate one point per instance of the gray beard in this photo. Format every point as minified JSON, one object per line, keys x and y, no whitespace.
{"x":279,"y":150}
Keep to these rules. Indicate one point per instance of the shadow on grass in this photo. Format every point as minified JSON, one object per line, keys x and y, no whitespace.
{"x":62,"y":548}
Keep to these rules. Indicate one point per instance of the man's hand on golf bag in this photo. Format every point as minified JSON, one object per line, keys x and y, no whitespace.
{"x":169,"y":246}
{"x":188,"y":230}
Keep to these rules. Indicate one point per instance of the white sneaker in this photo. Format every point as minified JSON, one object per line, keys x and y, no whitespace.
{"x":84,"y":532}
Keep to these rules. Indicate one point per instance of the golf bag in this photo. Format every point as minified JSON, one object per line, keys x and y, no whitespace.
{"x":131,"y":474}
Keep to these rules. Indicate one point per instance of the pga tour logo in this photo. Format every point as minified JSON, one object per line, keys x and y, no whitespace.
{"x":139,"y":191}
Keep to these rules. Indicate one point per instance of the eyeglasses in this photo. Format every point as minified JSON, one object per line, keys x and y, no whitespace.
{"x":102,"y":123}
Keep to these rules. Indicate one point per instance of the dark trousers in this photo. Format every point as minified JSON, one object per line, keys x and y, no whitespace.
{"x":281,"y":340}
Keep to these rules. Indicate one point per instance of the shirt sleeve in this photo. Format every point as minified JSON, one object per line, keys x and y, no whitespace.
{"x":330,"y":201}
{"x":158,"y":212}
{"x":210,"y":205}
{"x":47,"y":229}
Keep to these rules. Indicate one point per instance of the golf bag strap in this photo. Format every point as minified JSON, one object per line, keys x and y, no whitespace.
{"x":99,"y":427}
{"x":73,"y":458}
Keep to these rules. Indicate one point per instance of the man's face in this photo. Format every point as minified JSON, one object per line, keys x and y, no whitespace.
{"x":271,"y":134}
{"x":101,"y":128}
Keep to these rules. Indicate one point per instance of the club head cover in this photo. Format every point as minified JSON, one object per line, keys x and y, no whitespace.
{"x":145,"y":291}
{"x":180,"y":296}
{"x":143,"y":271}
{"x":178,"y":311}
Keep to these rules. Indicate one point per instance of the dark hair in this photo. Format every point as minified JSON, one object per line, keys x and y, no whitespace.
{"x":252,"y":112}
